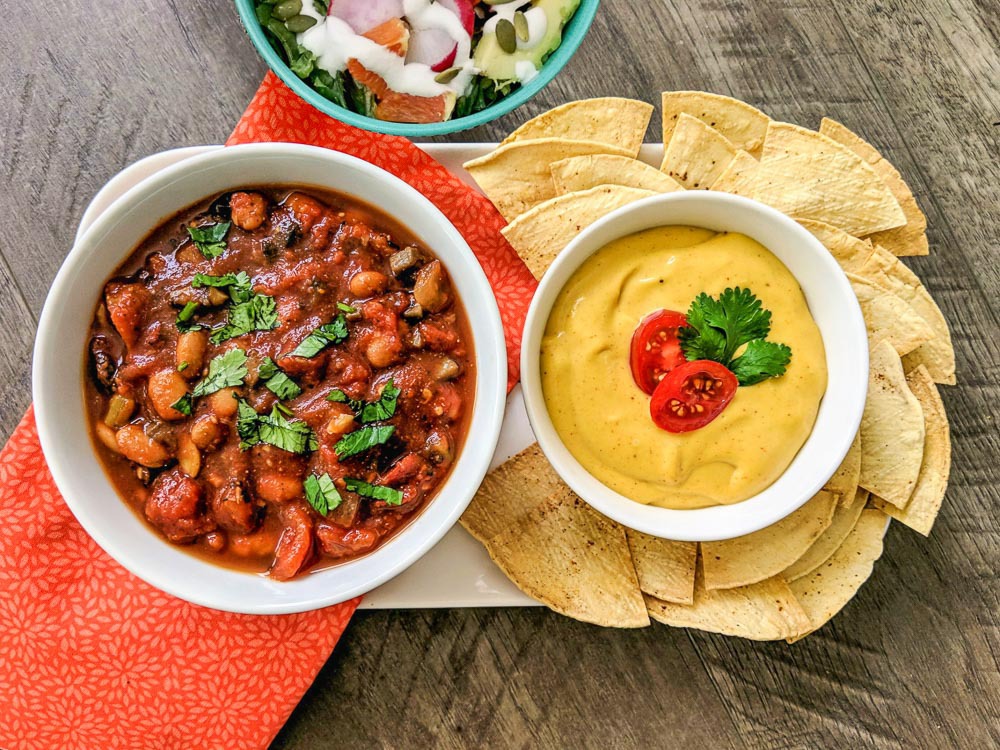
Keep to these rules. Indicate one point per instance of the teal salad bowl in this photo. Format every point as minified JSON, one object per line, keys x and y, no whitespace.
{"x":573,"y":34}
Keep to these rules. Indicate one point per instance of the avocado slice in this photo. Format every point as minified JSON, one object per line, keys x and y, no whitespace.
{"x":494,"y":63}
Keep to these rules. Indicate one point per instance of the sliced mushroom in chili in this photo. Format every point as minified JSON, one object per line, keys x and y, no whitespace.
{"x":279,"y":378}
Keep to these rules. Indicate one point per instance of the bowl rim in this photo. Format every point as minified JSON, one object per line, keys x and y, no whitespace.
{"x":573,"y":34}
{"x":717,"y":522}
{"x":469,"y":468}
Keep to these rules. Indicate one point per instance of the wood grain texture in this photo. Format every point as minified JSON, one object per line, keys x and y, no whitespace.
{"x":911,"y":662}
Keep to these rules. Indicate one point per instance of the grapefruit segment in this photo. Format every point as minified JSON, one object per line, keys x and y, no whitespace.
{"x":396,"y":107}
{"x":394,"y":35}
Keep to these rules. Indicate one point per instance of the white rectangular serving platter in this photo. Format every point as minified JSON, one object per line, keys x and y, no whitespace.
{"x":457,"y":572}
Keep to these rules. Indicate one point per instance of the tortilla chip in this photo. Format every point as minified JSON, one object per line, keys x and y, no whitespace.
{"x":740,"y":177}
{"x":844,"y":482}
{"x":541,"y":233}
{"x":825,"y":591}
{"x":510,"y":492}
{"x":849,"y":251}
{"x":938,"y":354}
{"x":892,"y":430}
{"x":765,"y":553}
{"x":765,"y":611}
{"x":585,"y":172}
{"x":888,"y":317}
{"x":574,"y":561}
{"x":611,"y":120}
{"x":809,"y":176}
{"x":696,"y":154}
{"x":516,"y":176}
{"x":844,"y":519}
{"x":910,"y":239}
{"x":925,"y":502}
{"x":743,"y":125}
{"x":665,"y":568}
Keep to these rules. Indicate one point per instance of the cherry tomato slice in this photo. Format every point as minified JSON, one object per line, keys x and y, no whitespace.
{"x":655,"y":349}
{"x":692,"y":395}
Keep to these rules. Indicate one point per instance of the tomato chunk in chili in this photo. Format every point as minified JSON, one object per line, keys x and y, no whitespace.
{"x":278,"y":378}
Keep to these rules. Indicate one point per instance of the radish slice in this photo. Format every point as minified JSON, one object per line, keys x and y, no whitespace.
{"x":431,"y":47}
{"x":464,"y":9}
{"x":364,"y":15}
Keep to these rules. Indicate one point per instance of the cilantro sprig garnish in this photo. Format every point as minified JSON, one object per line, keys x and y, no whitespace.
{"x":273,"y":429}
{"x":211,"y":239}
{"x":718,"y":328}
{"x":248,"y":310}
{"x":224,"y":371}
{"x":361,"y":440}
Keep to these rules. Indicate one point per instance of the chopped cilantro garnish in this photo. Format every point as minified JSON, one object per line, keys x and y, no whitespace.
{"x":224,"y":371}
{"x":273,"y":429}
{"x":344,"y":307}
{"x":211,"y":239}
{"x":718,"y":328}
{"x":384,"y":408}
{"x":183,"y":322}
{"x":277,"y":381}
{"x":334,"y":332}
{"x":374,"y":491}
{"x":259,"y":313}
{"x":184,"y":404}
{"x":237,"y":284}
{"x":321,"y":493}
{"x":183,"y":366}
{"x":363,"y":439}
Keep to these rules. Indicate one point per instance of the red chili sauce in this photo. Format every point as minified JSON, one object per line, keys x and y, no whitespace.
{"x":279,"y":378}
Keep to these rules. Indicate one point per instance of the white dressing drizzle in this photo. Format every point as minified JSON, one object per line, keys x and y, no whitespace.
{"x":334,"y":43}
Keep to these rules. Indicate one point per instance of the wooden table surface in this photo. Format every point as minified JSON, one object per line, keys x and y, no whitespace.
{"x":911,"y":662}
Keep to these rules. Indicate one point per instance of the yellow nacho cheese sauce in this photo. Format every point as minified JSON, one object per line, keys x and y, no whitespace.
{"x":603,"y":417}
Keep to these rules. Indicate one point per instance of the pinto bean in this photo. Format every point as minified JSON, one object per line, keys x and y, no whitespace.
{"x":137,"y":446}
{"x":368,"y":283}
{"x":278,"y":488}
{"x":107,"y":436}
{"x":207,"y":431}
{"x":188,"y":455}
{"x":295,"y":546}
{"x":383,"y":350}
{"x":223,"y":403}
{"x":248,"y":210}
{"x":191,"y":349}
{"x":166,"y":388}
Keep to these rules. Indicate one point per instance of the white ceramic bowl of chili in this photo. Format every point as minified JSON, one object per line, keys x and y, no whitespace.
{"x":833,"y":306}
{"x":58,"y":370}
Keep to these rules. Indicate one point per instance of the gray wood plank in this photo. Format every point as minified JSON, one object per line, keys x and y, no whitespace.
{"x":912,"y":661}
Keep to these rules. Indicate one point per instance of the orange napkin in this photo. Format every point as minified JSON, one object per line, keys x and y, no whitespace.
{"x":92,"y":657}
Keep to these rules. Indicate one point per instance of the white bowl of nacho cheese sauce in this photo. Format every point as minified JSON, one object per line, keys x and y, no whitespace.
{"x":775,"y":445}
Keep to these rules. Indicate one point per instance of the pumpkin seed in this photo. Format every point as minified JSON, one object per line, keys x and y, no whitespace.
{"x":506,"y":36}
{"x":298,"y":24}
{"x":287,"y":9}
{"x":521,"y":26}
{"x":447,"y":76}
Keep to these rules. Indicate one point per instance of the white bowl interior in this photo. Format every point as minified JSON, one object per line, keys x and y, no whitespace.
{"x":833,"y":306}
{"x":62,"y":337}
